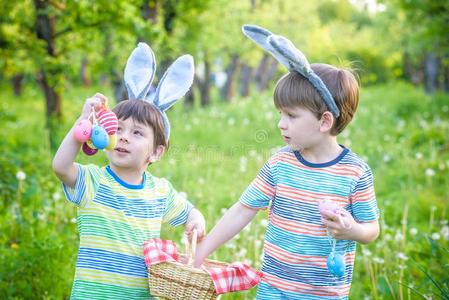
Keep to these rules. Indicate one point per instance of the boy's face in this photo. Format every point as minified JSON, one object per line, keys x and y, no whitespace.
{"x":135,"y":146}
{"x":299,"y":127}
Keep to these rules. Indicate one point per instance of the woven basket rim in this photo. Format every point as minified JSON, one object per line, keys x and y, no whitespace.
{"x":181,"y":265}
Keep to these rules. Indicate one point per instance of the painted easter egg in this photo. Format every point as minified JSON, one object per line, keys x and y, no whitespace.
{"x":99,"y":137}
{"x":82,"y":130}
{"x":336,"y":264}
{"x":89,"y":151}
{"x":112,"y":142}
{"x":89,"y":143}
{"x":328,"y":206}
{"x":108,"y":120}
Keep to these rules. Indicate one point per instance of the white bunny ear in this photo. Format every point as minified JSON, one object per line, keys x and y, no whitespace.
{"x":139,"y":71}
{"x":175,"y":83}
{"x":260,"y":36}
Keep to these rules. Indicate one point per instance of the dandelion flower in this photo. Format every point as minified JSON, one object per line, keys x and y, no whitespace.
{"x":20,"y":175}
{"x":430,"y":172}
{"x":435,"y":236}
{"x":401,"y":256}
{"x":413,"y":231}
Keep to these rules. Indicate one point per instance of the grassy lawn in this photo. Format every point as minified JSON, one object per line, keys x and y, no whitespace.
{"x":214,"y":154}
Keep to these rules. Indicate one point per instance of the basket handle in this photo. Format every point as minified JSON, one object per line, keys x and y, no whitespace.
{"x":191,"y":247}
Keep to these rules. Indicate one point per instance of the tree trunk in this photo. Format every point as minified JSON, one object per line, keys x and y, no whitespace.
{"x":261,"y":69}
{"x":227,"y":91}
{"x":16,"y":82}
{"x":246,"y":74}
{"x":84,"y":74}
{"x":268,"y":75}
{"x":431,"y":69}
{"x":204,"y":85}
{"x":446,"y":78}
{"x":190,"y":98}
{"x":44,"y":31}
{"x":149,"y":10}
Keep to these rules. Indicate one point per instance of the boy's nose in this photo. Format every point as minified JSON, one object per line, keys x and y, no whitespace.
{"x":282,"y":124}
{"x":123,"y":138}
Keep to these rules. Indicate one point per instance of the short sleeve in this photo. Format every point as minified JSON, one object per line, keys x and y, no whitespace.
{"x":261,"y":190}
{"x":363,"y":199}
{"x":177,"y":209}
{"x":86,"y":185}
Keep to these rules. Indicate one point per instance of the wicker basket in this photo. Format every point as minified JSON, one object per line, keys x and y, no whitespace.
{"x":177,"y":280}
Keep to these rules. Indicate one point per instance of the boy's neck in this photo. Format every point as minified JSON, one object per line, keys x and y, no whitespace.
{"x":326,"y":151}
{"x":130,"y":176}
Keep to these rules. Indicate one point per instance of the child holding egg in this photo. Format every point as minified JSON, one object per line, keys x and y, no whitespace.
{"x":320,"y":195}
{"x":122,"y":205}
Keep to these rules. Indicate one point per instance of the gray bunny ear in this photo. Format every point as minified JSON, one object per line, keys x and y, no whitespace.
{"x":260,"y":36}
{"x":139,"y":71}
{"x":295,"y":59}
{"x":175,"y":83}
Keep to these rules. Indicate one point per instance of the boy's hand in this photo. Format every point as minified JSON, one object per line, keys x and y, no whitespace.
{"x":340,"y":225}
{"x":200,"y":227}
{"x":97,"y":102}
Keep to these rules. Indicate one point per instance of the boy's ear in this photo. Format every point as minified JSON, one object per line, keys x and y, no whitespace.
{"x":327,"y":121}
{"x":157,"y":154}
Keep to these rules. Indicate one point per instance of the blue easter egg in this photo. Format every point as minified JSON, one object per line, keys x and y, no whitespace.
{"x":336,"y":264}
{"x":99,"y":137}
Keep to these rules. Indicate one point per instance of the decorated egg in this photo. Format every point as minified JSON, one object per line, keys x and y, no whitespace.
{"x":82,"y":130}
{"x":336,"y":264}
{"x":99,"y":137}
{"x":89,"y":143}
{"x":108,"y":120}
{"x":89,"y":151}
{"x":328,"y":206}
{"x":112,"y":142}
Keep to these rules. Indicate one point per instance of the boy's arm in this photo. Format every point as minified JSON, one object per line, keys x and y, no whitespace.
{"x":64,"y":161}
{"x":233,"y":221}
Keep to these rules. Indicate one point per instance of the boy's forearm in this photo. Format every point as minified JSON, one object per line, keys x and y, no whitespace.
{"x":64,"y":159}
{"x":233,"y":221}
{"x":365,"y":233}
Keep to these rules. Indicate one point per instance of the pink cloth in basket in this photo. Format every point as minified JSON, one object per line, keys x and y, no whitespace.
{"x":235,"y":277}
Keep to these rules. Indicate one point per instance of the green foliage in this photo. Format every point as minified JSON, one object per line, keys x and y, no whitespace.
{"x":401,"y":132}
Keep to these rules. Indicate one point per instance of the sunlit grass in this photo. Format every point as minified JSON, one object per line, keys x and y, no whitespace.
{"x":214,"y":154}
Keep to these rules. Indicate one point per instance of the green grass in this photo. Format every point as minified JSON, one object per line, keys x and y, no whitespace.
{"x":214,"y":154}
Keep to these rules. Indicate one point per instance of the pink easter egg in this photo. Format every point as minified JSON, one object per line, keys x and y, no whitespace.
{"x":328,"y":206}
{"x":82,"y":131}
{"x":89,"y":151}
{"x":108,"y":120}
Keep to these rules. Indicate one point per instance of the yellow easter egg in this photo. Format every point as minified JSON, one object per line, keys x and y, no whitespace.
{"x":90,"y":144}
{"x":112,"y":142}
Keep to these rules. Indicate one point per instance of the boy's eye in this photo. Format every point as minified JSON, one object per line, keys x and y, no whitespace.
{"x":119,"y":129}
{"x":137,"y":132}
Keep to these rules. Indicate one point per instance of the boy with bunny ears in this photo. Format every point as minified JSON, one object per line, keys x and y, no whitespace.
{"x":122,"y":205}
{"x":309,"y":246}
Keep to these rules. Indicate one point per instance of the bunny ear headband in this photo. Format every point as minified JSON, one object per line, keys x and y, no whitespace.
{"x":295,"y":61}
{"x":139,"y":73}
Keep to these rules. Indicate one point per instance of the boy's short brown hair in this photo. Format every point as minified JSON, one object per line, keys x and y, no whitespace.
{"x":294,"y":90}
{"x":145,"y":113}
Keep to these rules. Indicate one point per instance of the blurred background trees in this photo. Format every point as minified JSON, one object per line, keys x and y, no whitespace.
{"x":60,"y":44}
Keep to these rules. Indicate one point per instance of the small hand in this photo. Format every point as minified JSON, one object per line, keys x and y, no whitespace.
{"x":200,"y":229}
{"x":98,"y":101}
{"x":340,"y":225}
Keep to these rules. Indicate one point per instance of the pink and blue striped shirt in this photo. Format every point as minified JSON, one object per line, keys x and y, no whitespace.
{"x":296,"y":242}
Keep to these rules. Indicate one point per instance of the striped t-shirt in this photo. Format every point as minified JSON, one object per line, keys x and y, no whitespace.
{"x":114,"y":219}
{"x":296,"y":243}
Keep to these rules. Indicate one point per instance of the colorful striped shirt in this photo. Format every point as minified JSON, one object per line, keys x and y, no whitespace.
{"x":296,"y":244}
{"x":114,"y":220}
